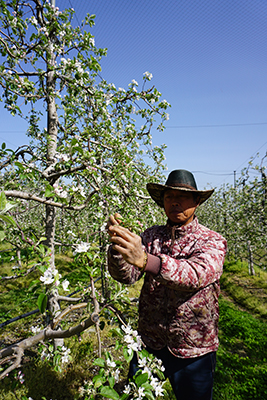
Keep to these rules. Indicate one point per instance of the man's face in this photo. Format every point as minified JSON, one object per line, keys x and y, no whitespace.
{"x":179,"y":206}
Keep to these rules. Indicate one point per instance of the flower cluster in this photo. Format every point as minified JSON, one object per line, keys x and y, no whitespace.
{"x":51,"y":275}
{"x":59,"y":356}
{"x":147,"y":382}
{"x":65,"y":356}
{"x":60,"y":192}
{"x":20,"y":377}
{"x":148,"y":76}
{"x":132,"y":339}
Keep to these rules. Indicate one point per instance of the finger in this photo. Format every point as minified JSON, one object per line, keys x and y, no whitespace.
{"x":111,"y":221}
{"x":119,"y":249}
{"x":120,"y":241}
{"x":121,"y":231}
{"x":118,"y":218}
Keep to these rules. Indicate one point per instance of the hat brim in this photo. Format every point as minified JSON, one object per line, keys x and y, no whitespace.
{"x":156,"y":192}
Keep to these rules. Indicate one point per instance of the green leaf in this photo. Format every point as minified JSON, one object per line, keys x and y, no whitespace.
{"x":2,"y":200}
{"x":42,"y":268}
{"x":7,"y":219}
{"x":5,"y":205}
{"x":2,"y":234}
{"x":42,"y":302}
{"x":116,"y":332}
{"x":127,"y":356}
{"x":49,"y":193}
{"x":98,"y":381}
{"x":110,"y":393}
{"x":100,"y":362}
{"x":111,"y":381}
{"x":149,"y":395}
{"x":140,"y":379}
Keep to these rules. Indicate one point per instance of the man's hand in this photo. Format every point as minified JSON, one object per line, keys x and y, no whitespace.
{"x":113,"y":220}
{"x":125,"y":242}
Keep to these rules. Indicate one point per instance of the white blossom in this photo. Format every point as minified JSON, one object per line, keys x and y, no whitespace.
{"x":82,"y":247}
{"x":148,"y":371}
{"x":62,"y":156}
{"x":65,"y":357}
{"x":141,"y":393}
{"x":48,"y":277}
{"x":21,"y":377}
{"x":33,"y":20}
{"x":45,"y":355}
{"x":92,"y":41}
{"x":127,"y":389}
{"x":159,"y":391}
{"x":127,"y":329}
{"x":148,"y":75}
{"x":65,"y":285}
{"x":116,"y":375}
{"x":59,"y":191}
{"x":71,"y":233}
{"x":154,"y":382}
{"x":35,"y":329}
{"x":167,"y":116}
{"x":110,"y":363}
{"x":142,"y":362}
{"x":103,"y":228}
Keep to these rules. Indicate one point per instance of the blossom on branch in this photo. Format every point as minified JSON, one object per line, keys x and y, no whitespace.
{"x":82,"y":247}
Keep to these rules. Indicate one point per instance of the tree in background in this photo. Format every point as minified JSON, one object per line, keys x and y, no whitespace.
{"x":240,"y":214}
{"x":87,"y":157}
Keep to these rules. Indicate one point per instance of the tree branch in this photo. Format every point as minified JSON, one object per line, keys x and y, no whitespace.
{"x":27,"y":196}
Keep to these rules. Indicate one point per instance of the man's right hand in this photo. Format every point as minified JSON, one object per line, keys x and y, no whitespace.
{"x":125,"y":242}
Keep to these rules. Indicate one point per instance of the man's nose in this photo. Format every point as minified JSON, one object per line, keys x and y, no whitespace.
{"x":176,"y":201}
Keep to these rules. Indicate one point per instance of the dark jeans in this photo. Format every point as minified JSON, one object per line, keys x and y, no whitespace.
{"x":191,"y":378}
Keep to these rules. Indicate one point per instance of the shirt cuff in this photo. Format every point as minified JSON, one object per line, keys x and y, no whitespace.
{"x":153,"y":264}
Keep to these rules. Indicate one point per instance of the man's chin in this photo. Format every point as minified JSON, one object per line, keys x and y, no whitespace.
{"x":177,"y":220}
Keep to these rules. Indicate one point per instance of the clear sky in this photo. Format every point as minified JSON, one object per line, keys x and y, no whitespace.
{"x":208,"y":59}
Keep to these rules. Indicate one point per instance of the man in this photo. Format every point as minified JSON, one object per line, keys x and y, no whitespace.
{"x":178,"y":307}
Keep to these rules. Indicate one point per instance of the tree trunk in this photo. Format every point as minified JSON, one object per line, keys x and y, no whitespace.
{"x":250,"y":260}
{"x":52,"y":135}
{"x":50,"y":228}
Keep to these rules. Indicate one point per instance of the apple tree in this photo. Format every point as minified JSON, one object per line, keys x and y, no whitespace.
{"x":90,"y":148}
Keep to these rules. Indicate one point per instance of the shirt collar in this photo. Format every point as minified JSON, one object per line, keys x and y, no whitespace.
{"x":183,"y":230}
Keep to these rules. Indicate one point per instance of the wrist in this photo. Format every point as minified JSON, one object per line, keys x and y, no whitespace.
{"x":144,"y":261}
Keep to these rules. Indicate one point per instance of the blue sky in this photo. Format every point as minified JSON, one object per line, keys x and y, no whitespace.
{"x":208,"y":59}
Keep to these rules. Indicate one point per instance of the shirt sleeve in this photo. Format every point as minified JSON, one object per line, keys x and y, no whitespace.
{"x":199,"y":269}
{"x":120,"y":270}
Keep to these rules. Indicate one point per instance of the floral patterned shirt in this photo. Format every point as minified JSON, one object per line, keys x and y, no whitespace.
{"x":178,"y":307}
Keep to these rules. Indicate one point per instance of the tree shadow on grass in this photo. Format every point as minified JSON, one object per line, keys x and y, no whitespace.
{"x":43,"y":381}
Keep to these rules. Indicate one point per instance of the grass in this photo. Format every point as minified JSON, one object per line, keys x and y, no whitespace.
{"x":242,"y":355}
{"x":241,"y":359}
{"x":248,"y":292}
